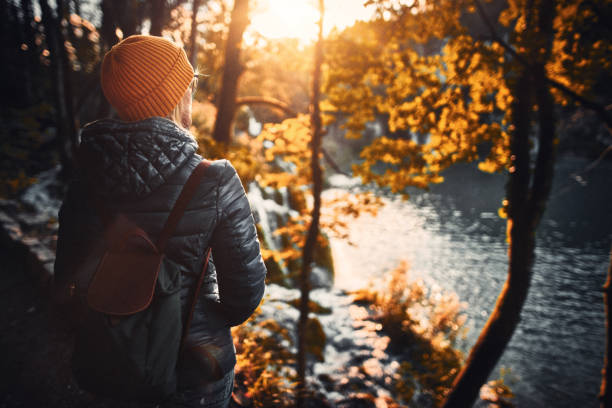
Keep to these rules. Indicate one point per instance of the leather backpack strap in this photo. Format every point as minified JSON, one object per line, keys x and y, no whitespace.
{"x":181,"y":204}
{"x":194,"y":300}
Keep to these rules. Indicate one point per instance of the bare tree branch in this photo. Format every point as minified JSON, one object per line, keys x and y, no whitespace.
{"x":265,"y":100}
{"x":332,"y":163}
{"x":314,"y":227}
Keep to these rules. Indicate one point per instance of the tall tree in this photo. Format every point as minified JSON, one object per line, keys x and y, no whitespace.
{"x":31,"y":61}
{"x":63,"y":15}
{"x":62,"y":87}
{"x":478,"y":92}
{"x":527,"y":193}
{"x":158,"y":14}
{"x":232,"y":69}
{"x":127,"y":16}
{"x":313,"y":229}
{"x":193,"y":45}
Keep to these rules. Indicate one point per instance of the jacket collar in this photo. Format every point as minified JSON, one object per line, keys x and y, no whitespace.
{"x":129,"y":160}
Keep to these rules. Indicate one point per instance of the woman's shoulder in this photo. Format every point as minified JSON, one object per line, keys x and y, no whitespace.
{"x":221,"y":169}
{"x":218,"y":171}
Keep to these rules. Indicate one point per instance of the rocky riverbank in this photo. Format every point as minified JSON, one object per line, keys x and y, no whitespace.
{"x":353,"y":363}
{"x":353,"y":371}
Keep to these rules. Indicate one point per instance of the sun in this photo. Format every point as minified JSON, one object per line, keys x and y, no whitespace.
{"x":285,"y":19}
{"x":298,"y":18}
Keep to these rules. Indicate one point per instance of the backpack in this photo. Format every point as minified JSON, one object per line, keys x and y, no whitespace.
{"x":131,"y":331}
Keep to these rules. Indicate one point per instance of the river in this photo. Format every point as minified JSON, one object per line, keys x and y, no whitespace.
{"x":451,"y":236}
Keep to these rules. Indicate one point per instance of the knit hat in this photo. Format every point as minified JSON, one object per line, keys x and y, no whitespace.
{"x":144,"y":76}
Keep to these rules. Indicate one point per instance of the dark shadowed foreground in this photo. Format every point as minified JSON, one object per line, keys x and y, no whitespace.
{"x":34,"y":350}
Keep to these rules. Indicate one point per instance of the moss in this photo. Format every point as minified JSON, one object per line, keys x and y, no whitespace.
{"x":261,"y":235}
{"x":297,"y":199}
{"x":275,"y":272}
{"x":364,"y":297}
{"x":433,"y":368}
{"x":278,"y":197}
{"x":281,"y":220}
{"x":322,"y":252}
{"x":315,"y":338}
{"x":323,"y":255}
{"x":295,"y":268}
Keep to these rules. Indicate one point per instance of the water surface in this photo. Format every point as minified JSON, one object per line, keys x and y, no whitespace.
{"x":452,"y":237}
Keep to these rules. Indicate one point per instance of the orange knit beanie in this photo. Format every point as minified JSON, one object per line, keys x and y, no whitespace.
{"x":144,"y":76}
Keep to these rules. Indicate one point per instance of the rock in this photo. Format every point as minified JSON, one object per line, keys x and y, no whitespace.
{"x":39,"y":260}
{"x":317,"y":401}
{"x":42,"y":253}
{"x":320,"y":278}
{"x":49,"y":268}
{"x":343,"y":343}
{"x":373,"y":368}
{"x":5,"y":218}
{"x":327,"y":381}
{"x":358,"y":401}
{"x":10,"y":231}
{"x":425,"y":400}
{"x":10,"y":206}
{"x":342,"y":181}
{"x":32,"y":221}
{"x":44,"y":197}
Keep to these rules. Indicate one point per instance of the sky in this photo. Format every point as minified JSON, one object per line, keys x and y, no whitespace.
{"x":298,"y":18}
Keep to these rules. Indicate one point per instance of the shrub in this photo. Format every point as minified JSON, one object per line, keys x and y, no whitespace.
{"x":423,"y":325}
{"x":264,"y":362}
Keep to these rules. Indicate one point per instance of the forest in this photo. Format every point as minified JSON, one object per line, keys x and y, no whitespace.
{"x":430,"y":182}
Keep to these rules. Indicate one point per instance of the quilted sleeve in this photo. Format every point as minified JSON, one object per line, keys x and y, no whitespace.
{"x":240,"y":269}
{"x":75,"y":242}
{"x":68,"y":242}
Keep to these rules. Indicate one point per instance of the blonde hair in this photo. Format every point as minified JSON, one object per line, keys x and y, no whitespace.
{"x":175,"y":114}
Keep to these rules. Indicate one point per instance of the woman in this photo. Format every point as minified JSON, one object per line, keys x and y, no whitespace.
{"x":138,"y":166}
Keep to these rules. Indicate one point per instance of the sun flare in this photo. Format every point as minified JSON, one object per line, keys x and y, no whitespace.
{"x":298,"y":18}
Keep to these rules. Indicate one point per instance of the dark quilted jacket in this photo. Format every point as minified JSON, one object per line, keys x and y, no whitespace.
{"x":139,"y":168}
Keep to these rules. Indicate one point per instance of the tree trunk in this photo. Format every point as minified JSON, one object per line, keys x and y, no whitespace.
{"x":506,"y":314}
{"x":313,"y":230}
{"x":72,"y":122}
{"x":605,"y":394}
{"x":22,"y":95}
{"x":158,"y":13}
{"x":126,"y":15}
{"x":526,"y":206}
{"x":63,"y":121}
{"x":108,"y":37}
{"x":31,"y":60}
{"x":108,"y":27}
{"x":231,"y":73}
{"x":193,"y":45}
